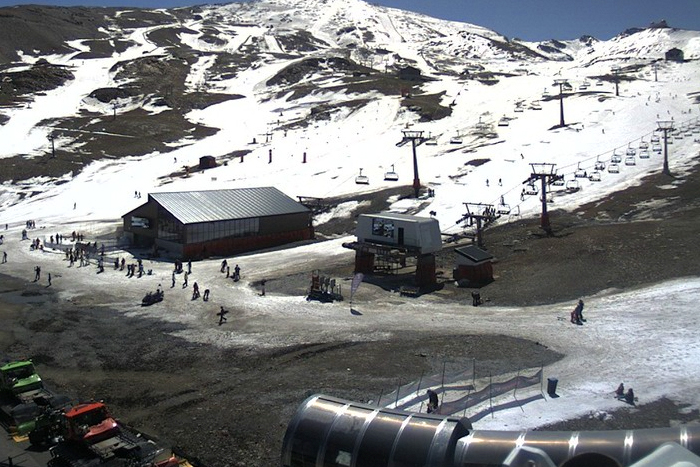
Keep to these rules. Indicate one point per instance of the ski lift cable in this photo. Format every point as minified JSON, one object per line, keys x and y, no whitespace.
{"x":650,"y":133}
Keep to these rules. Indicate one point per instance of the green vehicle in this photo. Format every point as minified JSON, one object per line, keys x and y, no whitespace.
{"x":23,"y":397}
{"x":19,"y":379}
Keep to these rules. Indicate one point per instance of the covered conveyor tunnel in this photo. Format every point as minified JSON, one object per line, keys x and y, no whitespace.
{"x":331,"y":432}
{"x":327,"y":431}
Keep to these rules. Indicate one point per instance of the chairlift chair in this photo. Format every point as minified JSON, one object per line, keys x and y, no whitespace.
{"x":614,"y":168}
{"x":519,"y":109}
{"x":580,"y":173}
{"x":616,"y":158}
{"x":536,"y":106}
{"x":558,"y":182}
{"x":503,"y":121}
{"x":656,"y":147}
{"x":643,"y":145}
{"x":599,"y":165}
{"x":390,"y":175}
{"x":456,"y":140}
{"x":644,"y":154}
{"x":630,"y":160}
{"x":431,"y":142}
{"x":594,"y":176}
{"x":631,"y":152}
{"x":531,"y":190}
{"x":655,"y":139}
{"x":503,"y":209}
{"x":362,"y":179}
{"x":572,"y":186}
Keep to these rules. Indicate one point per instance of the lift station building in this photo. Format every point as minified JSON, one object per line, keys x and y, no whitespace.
{"x":199,"y":224}
{"x":387,"y":239}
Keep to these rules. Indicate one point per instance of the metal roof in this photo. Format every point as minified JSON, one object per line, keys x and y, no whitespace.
{"x":191,"y":207}
{"x":398,"y":216}
{"x":473,"y":253}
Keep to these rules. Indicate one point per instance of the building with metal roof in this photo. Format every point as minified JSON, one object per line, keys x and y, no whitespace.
{"x":473,"y":265}
{"x":198,"y":224}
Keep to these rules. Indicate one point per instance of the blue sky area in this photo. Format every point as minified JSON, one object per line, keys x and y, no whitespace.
{"x":525,"y":19}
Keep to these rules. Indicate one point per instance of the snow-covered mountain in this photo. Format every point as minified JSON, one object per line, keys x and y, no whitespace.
{"x":115,"y":100}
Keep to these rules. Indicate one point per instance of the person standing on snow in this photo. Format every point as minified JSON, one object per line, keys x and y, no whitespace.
{"x":579,"y":311}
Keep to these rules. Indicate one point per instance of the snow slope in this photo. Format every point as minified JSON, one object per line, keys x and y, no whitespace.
{"x":599,"y":124}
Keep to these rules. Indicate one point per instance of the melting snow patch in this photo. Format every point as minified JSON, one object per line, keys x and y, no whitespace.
{"x":342,"y":210}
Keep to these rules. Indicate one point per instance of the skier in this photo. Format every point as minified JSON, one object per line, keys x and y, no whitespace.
{"x":205,"y":297}
{"x":236,"y":273}
{"x":184,"y":284}
{"x":629,"y":396}
{"x":195,"y":291}
{"x":4,"y":257}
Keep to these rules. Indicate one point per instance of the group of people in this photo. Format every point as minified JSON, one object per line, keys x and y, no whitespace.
{"x":36,"y":245}
{"x":58,"y":237}
{"x":75,"y":255}
{"x":196,"y":294}
{"x":236,"y":271}
{"x":82,"y":253}
{"x":626,"y":396}
{"x":577,"y":313}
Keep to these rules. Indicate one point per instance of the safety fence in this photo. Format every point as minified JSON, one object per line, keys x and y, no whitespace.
{"x":457,"y":392}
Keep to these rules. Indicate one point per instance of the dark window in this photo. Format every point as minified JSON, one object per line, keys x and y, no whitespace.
{"x":205,"y":231}
{"x":383,"y":228}
{"x":169,"y":228}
